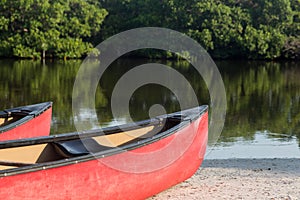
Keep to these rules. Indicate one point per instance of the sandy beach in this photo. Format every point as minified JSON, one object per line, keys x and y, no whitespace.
{"x":271,"y":179}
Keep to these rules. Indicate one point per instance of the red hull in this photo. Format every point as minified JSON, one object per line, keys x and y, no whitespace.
{"x":38,"y":126}
{"x":99,"y":179}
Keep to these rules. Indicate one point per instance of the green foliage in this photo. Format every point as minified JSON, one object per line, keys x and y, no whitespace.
{"x":204,"y":37}
{"x":25,"y":52}
{"x":71,"y":48}
{"x":219,"y":27}
{"x":292,"y":48}
{"x":274,"y":13}
{"x":58,"y":28}
{"x":263,"y":43}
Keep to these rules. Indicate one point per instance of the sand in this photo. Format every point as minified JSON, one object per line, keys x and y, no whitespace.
{"x":270,"y":179}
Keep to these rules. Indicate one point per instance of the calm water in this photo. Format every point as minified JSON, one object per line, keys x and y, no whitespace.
{"x":263,"y":111}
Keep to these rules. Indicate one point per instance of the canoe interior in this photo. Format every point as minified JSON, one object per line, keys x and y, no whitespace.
{"x":14,"y":117}
{"x":4,"y":121}
{"x":57,"y":150}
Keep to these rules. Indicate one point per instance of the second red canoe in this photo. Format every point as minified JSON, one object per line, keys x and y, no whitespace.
{"x":26,"y":121}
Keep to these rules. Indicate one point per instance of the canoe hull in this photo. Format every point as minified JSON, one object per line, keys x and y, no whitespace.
{"x":104,"y":179}
{"x":37,"y":126}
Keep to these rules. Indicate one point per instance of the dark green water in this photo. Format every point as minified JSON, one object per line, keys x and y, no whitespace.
{"x":263,"y":97}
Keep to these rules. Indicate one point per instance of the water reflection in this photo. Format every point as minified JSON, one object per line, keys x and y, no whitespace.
{"x":262,"y":96}
{"x":25,"y":82}
{"x":264,"y":144}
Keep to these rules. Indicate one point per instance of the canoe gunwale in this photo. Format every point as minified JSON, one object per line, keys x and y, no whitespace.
{"x":92,"y":156}
{"x":40,"y":108}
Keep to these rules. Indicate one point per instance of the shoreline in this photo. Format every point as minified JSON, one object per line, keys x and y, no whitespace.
{"x":273,"y":179}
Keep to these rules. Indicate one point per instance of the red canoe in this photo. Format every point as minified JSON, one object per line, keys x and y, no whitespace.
{"x":132,"y":161}
{"x":26,"y":121}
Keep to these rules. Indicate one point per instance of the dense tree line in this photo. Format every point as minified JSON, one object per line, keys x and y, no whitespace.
{"x":255,"y":29}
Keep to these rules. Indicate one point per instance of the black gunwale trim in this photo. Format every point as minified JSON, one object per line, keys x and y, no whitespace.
{"x":75,"y":160}
{"x":37,"y":109}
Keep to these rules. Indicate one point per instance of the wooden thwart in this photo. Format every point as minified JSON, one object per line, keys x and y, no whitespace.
{"x":14,"y":164}
{"x":4,"y":164}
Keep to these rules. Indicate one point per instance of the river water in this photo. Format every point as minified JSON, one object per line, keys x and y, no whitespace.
{"x":263,"y":100}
